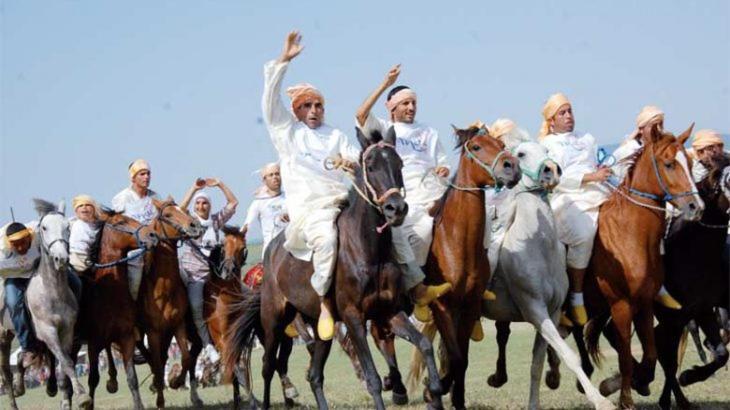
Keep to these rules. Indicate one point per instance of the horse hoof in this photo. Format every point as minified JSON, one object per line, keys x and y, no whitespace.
{"x":197,"y":403}
{"x":84,"y":401}
{"x":400,"y":399}
{"x":552,"y":380}
{"x":112,"y":386}
{"x":387,"y":384}
{"x":66,"y":405}
{"x":686,"y":378}
{"x":610,"y":386}
{"x":496,"y":380}
{"x":642,"y":390}
{"x":291,"y":392}
{"x":176,"y":383}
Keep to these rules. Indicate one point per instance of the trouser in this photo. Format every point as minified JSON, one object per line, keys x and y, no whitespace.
{"x":134,"y":272}
{"x":417,"y":228}
{"x":15,"y":301}
{"x":196,"y":297}
{"x":577,"y":230}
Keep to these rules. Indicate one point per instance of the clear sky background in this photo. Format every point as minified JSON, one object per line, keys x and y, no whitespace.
{"x":88,"y":86}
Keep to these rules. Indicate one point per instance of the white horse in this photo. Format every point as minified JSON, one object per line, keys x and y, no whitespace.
{"x":52,"y":305}
{"x":530,"y":278}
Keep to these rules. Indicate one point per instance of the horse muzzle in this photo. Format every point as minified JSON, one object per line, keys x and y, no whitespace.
{"x":151,"y":240}
{"x":395,"y":210}
{"x":508,"y":172}
{"x":549,"y":176}
{"x":691,"y":208}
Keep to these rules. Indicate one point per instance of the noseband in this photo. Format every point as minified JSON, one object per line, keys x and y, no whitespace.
{"x":488,"y":167}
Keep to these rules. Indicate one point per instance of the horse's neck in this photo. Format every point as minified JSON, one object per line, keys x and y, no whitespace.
{"x":463,"y":215}
{"x":165,"y":259}
{"x":632,"y":216}
{"x":360,"y":220}
{"x":47,"y":271}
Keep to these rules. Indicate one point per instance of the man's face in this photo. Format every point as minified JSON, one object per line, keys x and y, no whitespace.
{"x":310,"y":112}
{"x":405,"y":111}
{"x":563,"y":120}
{"x":142,"y":179}
{"x":22,"y":245}
{"x":86,"y":213}
{"x":272,"y":179}
{"x":202,"y":208}
{"x":710,"y":154}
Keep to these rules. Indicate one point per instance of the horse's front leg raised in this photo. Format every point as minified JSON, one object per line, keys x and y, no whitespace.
{"x":356,"y":327}
{"x":403,"y":328}
{"x":385,"y":340}
{"x":6,"y":338}
{"x":189,"y":360}
{"x":644,"y":324}
{"x":61,"y":349}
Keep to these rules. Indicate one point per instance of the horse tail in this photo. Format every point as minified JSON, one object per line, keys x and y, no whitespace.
{"x":418,"y":364}
{"x":242,"y":330}
{"x":592,"y":336}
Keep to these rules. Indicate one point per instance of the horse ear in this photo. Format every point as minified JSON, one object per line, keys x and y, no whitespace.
{"x":170,"y":199}
{"x":362,"y":138}
{"x":390,"y":136}
{"x":685,"y":135}
{"x":157,"y":203}
{"x":61,"y":208}
{"x":462,"y":135}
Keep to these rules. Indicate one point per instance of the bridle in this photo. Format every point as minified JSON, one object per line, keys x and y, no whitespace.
{"x":138,"y":240}
{"x":163,"y":220}
{"x":47,"y":247}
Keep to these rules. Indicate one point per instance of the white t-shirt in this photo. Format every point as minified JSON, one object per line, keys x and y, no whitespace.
{"x":82,"y":237}
{"x":132,"y":205}
{"x":268,"y":211}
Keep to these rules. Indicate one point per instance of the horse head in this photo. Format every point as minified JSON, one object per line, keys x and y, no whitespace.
{"x":234,"y":252}
{"x":130,"y":234}
{"x":172,"y":223}
{"x":670,"y":169}
{"x":53,"y":232}
{"x":538,"y":170}
{"x":380,"y":173}
{"x":484,"y":158}
{"x":715,"y":187}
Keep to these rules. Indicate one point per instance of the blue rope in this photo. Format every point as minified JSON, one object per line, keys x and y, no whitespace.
{"x":120,"y":261}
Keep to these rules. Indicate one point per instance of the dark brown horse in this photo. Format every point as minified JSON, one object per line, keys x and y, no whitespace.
{"x":626,"y":269}
{"x":457,"y":252}
{"x":367,"y":283}
{"x":107,"y":309}
{"x":163,"y":301}
{"x":698,"y":279}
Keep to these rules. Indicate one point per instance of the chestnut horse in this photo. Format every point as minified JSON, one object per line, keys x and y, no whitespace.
{"x":457,"y":252}
{"x":163,"y":302}
{"x":626,"y":269}
{"x":367,"y":284}
{"x":107,"y":311}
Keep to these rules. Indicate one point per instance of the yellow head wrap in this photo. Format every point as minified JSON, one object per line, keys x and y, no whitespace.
{"x":705,"y":138}
{"x":648,"y":115}
{"x":138,"y":165}
{"x":549,"y":110}
{"x":83,"y":199}
{"x":501,"y":127}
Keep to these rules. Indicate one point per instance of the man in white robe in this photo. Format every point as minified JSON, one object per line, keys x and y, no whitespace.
{"x":84,"y":229}
{"x":269,"y":206}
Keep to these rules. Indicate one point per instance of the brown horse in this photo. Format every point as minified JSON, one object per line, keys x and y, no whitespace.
{"x":163,"y":302}
{"x":626,"y":270}
{"x":107,"y":309}
{"x":457,"y":252}
{"x":367,"y":284}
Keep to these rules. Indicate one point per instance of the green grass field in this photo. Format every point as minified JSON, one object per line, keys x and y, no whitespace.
{"x":343,"y":390}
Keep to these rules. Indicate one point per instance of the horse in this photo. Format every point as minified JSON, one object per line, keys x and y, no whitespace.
{"x":224,"y":288}
{"x":626,"y":269}
{"x":163,"y":303}
{"x":457,"y":252}
{"x":367,"y":284}
{"x":108,"y":311}
{"x":695,"y":276}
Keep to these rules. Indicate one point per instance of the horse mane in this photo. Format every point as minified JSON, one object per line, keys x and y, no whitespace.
{"x":232,"y":230}
{"x":43,"y":207}
{"x":95,"y":249}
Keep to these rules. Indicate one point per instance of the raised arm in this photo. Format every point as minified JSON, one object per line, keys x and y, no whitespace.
{"x":197,"y":186}
{"x":231,"y":200}
{"x":364,"y":111}
{"x":275,"y":113}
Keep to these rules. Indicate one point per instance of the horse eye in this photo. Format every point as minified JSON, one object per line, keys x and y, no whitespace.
{"x":669,"y":165}
{"x":370,"y":168}
{"x":520,"y":155}
{"x":475,"y":147}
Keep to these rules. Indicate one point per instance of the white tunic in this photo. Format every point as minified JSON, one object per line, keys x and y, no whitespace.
{"x":81,"y":239}
{"x":419,"y":147}
{"x":132,"y":205}
{"x":15,"y":265}
{"x":302,"y":153}
{"x":268,"y":211}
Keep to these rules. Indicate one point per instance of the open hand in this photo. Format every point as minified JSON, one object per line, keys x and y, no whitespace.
{"x":292,"y":47}
{"x":392,"y":76}
{"x":211,"y":182}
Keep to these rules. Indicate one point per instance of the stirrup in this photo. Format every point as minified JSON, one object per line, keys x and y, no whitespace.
{"x":432,"y":293}
{"x":477,"y":333}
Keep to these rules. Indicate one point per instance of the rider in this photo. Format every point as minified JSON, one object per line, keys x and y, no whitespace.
{"x":195,"y":252}
{"x":268,"y":206}
{"x":135,"y":202}
{"x":578,"y":196}
{"x":304,"y":142}
{"x":83,"y":232}
{"x":707,"y":146}
{"x":648,"y":116}
{"x":19,"y":259}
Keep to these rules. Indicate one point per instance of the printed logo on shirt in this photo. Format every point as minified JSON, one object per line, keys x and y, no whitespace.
{"x":416,"y":141}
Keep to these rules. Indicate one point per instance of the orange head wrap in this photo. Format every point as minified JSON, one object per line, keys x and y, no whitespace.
{"x":549,"y":110}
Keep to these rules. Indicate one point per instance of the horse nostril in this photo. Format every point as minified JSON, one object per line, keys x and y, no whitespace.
{"x":507,"y":164}
{"x":692,"y":206}
{"x":547,"y":170}
{"x":389,"y":208}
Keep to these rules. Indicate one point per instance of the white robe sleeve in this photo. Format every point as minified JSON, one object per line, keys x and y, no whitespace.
{"x":438,"y":153}
{"x":571,"y":179}
{"x":118,"y":202}
{"x":278,"y":119}
{"x":373,"y":123}
{"x":252,"y":214}
{"x":347,"y":150}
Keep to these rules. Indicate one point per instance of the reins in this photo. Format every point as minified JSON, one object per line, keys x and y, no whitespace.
{"x":129,"y":257}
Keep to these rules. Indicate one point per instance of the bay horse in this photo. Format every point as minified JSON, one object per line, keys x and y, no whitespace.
{"x":457,"y":252}
{"x":696,"y":276}
{"x":367,"y":284}
{"x":163,"y":302}
{"x":626,"y":269}
{"x":108,"y":312}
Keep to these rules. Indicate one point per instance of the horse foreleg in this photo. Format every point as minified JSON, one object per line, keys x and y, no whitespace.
{"x":539,"y":349}
{"x":61,"y":349}
{"x":356,"y":327}
{"x":189,"y":359}
{"x":385,"y":341}
{"x":668,"y":337}
{"x":644,"y":324}
{"x":127,"y":350}
{"x":6,"y":338}
{"x":92,"y":353}
{"x":403,"y":328}
{"x":271,"y":347}
{"x":622,"y":318}
{"x":158,"y":349}
{"x":499,"y":378}
{"x":694,"y":331}
{"x":112,"y":386}
{"x":707,"y":321}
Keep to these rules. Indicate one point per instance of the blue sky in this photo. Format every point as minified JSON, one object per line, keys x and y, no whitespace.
{"x":87,"y":86}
